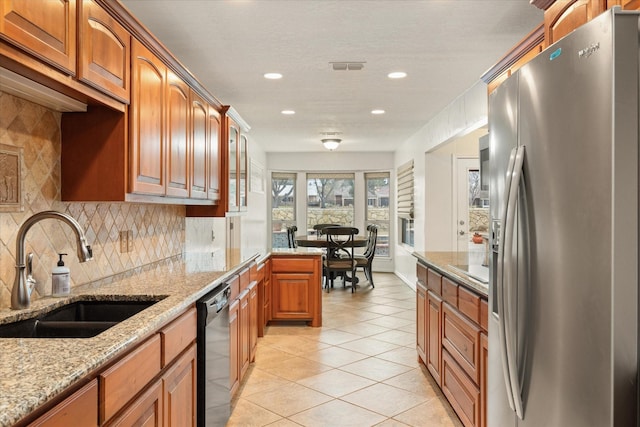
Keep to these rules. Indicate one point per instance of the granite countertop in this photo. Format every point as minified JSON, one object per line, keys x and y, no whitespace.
{"x":35,"y":370}
{"x":443,"y":262}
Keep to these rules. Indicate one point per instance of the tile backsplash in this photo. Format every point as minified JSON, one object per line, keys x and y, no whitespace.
{"x":158,"y":230}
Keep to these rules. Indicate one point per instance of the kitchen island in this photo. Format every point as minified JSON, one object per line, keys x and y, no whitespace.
{"x":451,"y":330}
{"x":37,"y":371}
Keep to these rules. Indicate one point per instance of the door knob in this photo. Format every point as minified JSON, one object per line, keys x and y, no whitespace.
{"x":461,"y":232}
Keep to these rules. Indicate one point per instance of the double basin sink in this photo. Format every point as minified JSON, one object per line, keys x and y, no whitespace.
{"x":78,"y":319}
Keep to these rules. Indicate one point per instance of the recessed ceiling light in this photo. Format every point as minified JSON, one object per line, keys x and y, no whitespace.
{"x":288,"y":112}
{"x":377,"y":111}
{"x":397,"y":75}
{"x":273,"y":76}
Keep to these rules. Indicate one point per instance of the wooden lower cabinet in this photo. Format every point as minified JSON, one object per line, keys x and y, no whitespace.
{"x":296,"y":289}
{"x":80,"y":409}
{"x":154,"y":384}
{"x":452,"y":342}
{"x":434,"y":335}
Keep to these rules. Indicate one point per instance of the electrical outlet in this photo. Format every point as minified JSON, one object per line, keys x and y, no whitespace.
{"x":129,"y":241}
{"x":124,"y":245}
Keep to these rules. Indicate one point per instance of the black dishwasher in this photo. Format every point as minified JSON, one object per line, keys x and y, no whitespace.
{"x":214,"y":404}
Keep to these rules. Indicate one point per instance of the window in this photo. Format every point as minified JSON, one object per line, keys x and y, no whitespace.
{"x":330,"y":199}
{"x":283,"y":202}
{"x":405,"y":202}
{"x":377,"y":208}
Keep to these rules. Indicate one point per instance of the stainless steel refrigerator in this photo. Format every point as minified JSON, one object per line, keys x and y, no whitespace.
{"x":563,"y":323}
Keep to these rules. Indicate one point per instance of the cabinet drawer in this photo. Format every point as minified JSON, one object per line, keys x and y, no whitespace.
{"x":129,"y":376}
{"x":292,"y":265}
{"x":434,"y":282}
{"x":234,"y":284}
{"x":469,"y":304}
{"x":245,"y":279}
{"x":461,"y":392}
{"x":462,"y":339}
{"x":80,"y":409}
{"x":421,"y":273}
{"x":450,"y":291}
{"x":178,"y":335}
{"x":257,"y":273}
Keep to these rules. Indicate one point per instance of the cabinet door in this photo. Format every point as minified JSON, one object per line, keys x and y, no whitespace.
{"x":253,"y":320}
{"x":105,"y":51}
{"x":626,"y":4}
{"x":484,"y":366}
{"x":421,"y":321}
{"x":199,"y":136}
{"x":434,"y":335}
{"x":47,"y":31}
{"x":245,"y":351}
{"x":79,"y":409}
{"x":179,"y":390}
{"x":232,"y":162}
{"x":564,"y":16}
{"x":213,"y":154}
{"x":243,"y":168}
{"x":234,"y":346}
{"x":146,"y":410}
{"x":292,"y":296}
{"x":147,"y":142}
{"x":178,"y":109}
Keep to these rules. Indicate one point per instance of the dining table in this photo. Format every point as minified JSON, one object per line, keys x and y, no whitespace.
{"x":314,"y":241}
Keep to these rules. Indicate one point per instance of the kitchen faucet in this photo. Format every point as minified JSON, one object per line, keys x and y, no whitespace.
{"x":24,"y":284}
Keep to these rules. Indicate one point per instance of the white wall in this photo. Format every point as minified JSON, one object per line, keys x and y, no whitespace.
{"x":254,"y":223}
{"x":466,"y":113}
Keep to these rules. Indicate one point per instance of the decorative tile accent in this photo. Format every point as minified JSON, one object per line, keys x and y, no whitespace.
{"x":10,"y":179}
{"x":158,"y":230}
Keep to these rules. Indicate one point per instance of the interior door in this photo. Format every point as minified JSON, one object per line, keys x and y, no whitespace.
{"x":466,"y":186}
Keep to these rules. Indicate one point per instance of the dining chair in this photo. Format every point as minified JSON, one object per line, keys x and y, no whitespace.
{"x":365,"y":260}
{"x":340,"y":256}
{"x":291,"y":236}
{"x":319,"y":227}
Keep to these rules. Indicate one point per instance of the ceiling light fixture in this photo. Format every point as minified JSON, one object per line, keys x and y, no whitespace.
{"x":288,"y":112}
{"x":331,"y":143}
{"x":397,"y":75}
{"x":273,"y":76}
{"x":377,"y":112}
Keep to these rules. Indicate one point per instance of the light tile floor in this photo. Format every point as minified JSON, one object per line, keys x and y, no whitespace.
{"x":359,"y":369}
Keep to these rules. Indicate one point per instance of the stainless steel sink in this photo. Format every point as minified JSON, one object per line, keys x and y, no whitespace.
{"x":79,"y":319}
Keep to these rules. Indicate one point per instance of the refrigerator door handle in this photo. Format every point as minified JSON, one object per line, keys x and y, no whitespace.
{"x":508,"y":278}
{"x":500,"y":285}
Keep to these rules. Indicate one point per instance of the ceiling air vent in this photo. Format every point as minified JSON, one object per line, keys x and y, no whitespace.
{"x":347,"y":66}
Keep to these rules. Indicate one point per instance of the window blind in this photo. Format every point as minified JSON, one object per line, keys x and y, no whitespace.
{"x":405,"y":190}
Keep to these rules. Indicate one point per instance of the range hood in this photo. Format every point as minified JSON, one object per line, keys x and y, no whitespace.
{"x":22,"y":87}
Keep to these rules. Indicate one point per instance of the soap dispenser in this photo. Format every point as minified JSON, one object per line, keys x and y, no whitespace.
{"x":60,"y":279}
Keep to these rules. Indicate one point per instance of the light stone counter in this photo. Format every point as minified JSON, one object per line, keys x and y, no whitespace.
{"x":442,"y":262}
{"x":35,"y":370}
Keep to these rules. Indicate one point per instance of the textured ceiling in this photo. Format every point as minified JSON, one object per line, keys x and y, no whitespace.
{"x":444,"y":46}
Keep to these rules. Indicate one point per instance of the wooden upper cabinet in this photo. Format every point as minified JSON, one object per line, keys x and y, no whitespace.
{"x":199,"y":142}
{"x":104,"y":60}
{"x":178,"y":110}
{"x":233,"y":140}
{"x":564,"y":16}
{"x":147,"y":145}
{"x":213,"y":154}
{"x":47,"y":31}
{"x":626,"y":4}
